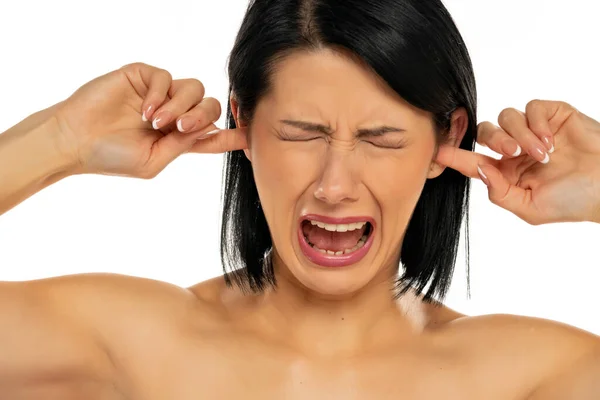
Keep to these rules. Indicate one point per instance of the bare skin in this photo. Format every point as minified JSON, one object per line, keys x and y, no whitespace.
{"x":130,"y":338}
{"x":116,"y":337}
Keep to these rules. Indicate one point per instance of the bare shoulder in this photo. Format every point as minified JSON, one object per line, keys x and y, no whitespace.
{"x":105,"y":291}
{"x":536,"y":351}
{"x":540,"y":358}
{"x":532,"y":333}
{"x":550,"y":337}
{"x":112,"y":305}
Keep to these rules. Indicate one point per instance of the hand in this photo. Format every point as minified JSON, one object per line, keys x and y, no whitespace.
{"x":562,"y":187}
{"x":134,"y":121}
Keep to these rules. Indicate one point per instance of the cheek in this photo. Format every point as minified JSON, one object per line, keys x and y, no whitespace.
{"x":282,"y":176}
{"x":282,"y":170}
{"x":396,"y":183}
{"x":397,"y":178}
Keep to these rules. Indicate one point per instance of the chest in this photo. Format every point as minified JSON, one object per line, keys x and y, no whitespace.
{"x":253,"y":371}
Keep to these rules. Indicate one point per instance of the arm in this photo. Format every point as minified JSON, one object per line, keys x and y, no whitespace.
{"x":44,"y":342}
{"x":62,"y":333}
{"x":44,"y":345}
{"x":30,"y":159}
{"x":577,"y":381}
{"x":75,"y":335}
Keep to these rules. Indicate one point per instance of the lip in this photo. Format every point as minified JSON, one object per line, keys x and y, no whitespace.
{"x":329,"y":261}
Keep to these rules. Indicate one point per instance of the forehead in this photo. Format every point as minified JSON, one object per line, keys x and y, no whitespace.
{"x":331,"y":81}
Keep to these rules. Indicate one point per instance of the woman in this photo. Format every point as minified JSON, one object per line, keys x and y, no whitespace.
{"x":343,"y":118}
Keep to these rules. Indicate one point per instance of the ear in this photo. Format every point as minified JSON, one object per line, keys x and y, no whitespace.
{"x":459,"y":123}
{"x":239,"y":122}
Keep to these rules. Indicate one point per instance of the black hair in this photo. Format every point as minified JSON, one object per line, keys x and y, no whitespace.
{"x":416,"y":49}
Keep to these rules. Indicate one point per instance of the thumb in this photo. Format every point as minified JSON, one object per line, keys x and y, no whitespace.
{"x":503,"y":194}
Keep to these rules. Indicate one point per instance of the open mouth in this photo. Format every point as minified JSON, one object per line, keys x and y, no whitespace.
{"x":335,"y":245}
{"x":336,"y":239}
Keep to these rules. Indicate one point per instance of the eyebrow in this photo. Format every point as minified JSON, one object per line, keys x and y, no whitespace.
{"x":312,"y":127}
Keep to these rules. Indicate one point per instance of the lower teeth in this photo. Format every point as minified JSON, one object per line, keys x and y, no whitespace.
{"x":358,"y":245}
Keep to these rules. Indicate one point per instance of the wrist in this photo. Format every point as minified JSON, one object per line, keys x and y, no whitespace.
{"x":30,"y":159}
{"x":49,"y":147}
{"x":36,"y":150}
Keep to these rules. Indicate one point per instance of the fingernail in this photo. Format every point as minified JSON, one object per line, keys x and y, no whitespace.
{"x":518,"y":152}
{"x":184,"y":124}
{"x":541,"y":154}
{"x":483,"y":177}
{"x":547,"y":140}
{"x":206,"y":135}
{"x":155,"y":123}
{"x":146,"y":113}
{"x":511,"y":145}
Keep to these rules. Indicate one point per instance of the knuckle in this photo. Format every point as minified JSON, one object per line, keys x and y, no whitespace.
{"x":217,"y":106}
{"x":133,"y":65}
{"x":493,"y":199}
{"x":213,"y":106}
{"x":531,"y":221}
{"x":485,"y":131}
{"x":507,"y":115}
{"x":196,"y":84}
{"x":534,"y":105}
{"x":164,"y":74}
{"x":565,"y":105}
{"x":482,"y":129}
{"x":148,"y":174}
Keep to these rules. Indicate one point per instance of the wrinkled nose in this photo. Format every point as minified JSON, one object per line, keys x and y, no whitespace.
{"x":338,"y":182}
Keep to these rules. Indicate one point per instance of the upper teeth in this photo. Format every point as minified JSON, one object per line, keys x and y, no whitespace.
{"x":339,"y":227}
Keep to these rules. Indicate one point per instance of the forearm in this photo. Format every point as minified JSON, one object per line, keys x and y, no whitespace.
{"x":29,"y":159}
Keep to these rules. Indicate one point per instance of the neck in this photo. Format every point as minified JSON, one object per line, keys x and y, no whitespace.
{"x":328,"y":325}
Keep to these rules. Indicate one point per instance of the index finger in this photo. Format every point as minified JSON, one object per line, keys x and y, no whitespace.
{"x":463,"y":161}
{"x":221,"y":142}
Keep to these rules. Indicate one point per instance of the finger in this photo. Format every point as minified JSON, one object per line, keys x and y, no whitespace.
{"x":464,"y":161}
{"x":184,"y":94}
{"x":497,"y":139}
{"x":171,"y":146}
{"x":539,"y":113}
{"x":514,"y":123}
{"x":510,"y":197}
{"x":222,"y":141}
{"x":158,"y":81}
{"x":203,"y":114}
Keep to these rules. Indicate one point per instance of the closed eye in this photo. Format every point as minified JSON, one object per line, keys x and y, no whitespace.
{"x":289,"y":137}
{"x":384,"y":137}
{"x":389,"y":144}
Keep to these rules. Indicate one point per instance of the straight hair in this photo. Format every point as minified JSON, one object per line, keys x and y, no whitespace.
{"x":416,"y":49}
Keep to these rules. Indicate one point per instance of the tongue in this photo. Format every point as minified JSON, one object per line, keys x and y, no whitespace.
{"x":334,"y":241}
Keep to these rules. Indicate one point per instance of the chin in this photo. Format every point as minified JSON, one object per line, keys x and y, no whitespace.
{"x":330,"y":283}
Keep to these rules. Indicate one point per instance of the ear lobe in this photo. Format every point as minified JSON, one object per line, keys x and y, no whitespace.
{"x":458,"y":128}
{"x":435,"y":170}
{"x":247,"y":153}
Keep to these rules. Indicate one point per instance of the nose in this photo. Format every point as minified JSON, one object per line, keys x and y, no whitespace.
{"x":338,"y":182}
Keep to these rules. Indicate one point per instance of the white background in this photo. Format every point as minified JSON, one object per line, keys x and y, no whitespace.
{"x":168,"y":228}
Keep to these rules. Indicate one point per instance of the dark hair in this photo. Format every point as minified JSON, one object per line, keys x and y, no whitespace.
{"x":412,"y":45}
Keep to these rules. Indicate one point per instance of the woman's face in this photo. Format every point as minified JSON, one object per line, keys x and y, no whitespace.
{"x":333,"y":145}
